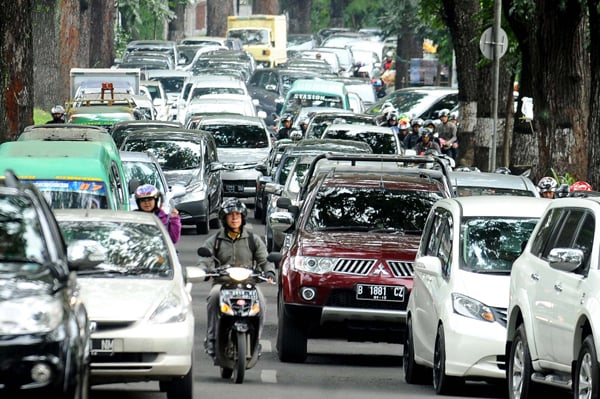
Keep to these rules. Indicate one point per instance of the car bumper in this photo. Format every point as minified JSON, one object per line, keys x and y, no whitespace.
{"x":19,"y":357}
{"x":144,"y":352}
{"x":474,"y":348}
{"x":192,"y":212}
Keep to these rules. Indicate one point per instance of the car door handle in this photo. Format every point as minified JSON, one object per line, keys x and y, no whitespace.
{"x":535,"y":276}
{"x":558,"y":287}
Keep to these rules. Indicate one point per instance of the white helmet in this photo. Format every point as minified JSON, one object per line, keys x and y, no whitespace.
{"x":57,"y":109}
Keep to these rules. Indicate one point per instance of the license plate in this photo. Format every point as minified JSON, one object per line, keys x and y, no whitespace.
{"x":371,"y":292}
{"x":106,"y":346}
{"x":233,"y":188}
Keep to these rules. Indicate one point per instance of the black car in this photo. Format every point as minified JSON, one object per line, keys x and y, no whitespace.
{"x":120,"y":130}
{"x":189,"y":158}
{"x":44,"y":328}
{"x":270,"y":85}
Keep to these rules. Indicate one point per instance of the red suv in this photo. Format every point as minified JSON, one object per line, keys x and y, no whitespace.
{"x":346,"y":270}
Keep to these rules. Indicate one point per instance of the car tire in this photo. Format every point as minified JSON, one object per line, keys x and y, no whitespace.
{"x":520,"y":369}
{"x":203,"y":227}
{"x":442,"y":383}
{"x":214,"y":223}
{"x":258,"y":212}
{"x":413,"y":372}
{"x":586,"y":381}
{"x":291,"y":338}
{"x":181,"y":387}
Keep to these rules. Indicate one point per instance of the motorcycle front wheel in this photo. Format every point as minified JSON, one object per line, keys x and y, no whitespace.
{"x":240,"y":358}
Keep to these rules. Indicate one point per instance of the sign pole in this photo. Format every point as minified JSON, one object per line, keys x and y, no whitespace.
{"x":496,"y":51}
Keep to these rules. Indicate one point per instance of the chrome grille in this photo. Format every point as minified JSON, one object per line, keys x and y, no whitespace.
{"x":360,"y":267}
{"x":401,"y":268}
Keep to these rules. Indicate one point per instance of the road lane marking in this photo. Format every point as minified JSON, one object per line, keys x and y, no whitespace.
{"x":268,"y":376}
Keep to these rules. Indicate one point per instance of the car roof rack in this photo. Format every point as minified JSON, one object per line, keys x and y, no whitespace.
{"x":393,"y":163}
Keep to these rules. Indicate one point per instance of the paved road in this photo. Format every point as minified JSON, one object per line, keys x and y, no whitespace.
{"x":334,"y":369}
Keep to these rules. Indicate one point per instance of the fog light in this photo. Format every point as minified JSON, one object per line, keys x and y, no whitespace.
{"x":41,"y":373}
{"x":308,"y":293}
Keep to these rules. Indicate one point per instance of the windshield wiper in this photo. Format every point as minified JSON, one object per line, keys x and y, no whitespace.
{"x":490,"y":271}
{"x":345,"y":228}
{"x":389,"y":230}
{"x":101,"y":272}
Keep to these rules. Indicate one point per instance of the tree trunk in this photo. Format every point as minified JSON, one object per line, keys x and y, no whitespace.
{"x":16,"y":103}
{"x":460,"y":17}
{"x":336,"y":13}
{"x":561,"y":102}
{"x":594,"y":122}
{"x":177,"y":25}
{"x":45,"y":54}
{"x":299,"y":16}
{"x":102,"y":39}
{"x":216,"y":16}
{"x":268,"y":7}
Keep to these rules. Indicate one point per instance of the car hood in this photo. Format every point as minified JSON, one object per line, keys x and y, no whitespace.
{"x":122,"y":299}
{"x":183,"y":177}
{"x":360,"y":244}
{"x":490,"y":289}
{"x":26,"y":285}
{"x":242,"y":157}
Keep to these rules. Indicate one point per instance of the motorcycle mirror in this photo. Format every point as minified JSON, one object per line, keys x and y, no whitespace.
{"x":204,"y":252}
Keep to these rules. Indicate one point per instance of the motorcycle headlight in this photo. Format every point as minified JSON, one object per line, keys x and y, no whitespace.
{"x":31,"y":315}
{"x":469,"y":307}
{"x":313,"y":264}
{"x":172,"y":309}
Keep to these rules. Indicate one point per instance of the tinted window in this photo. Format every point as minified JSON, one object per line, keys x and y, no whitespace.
{"x":547,"y":225}
{"x":21,"y":236}
{"x":493,"y":244}
{"x":380,"y":143}
{"x":171,"y":154}
{"x":238,"y":136}
{"x":366,"y":208}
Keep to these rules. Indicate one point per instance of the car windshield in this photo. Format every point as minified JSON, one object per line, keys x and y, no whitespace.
{"x":379,"y":143}
{"x":22,"y":244}
{"x":131,"y":249}
{"x":238,"y":136}
{"x":465,"y":191}
{"x":369,"y":208}
{"x":202,"y":91}
{"x":250,"y":36}
{"x":74,"y":194}
{"x":491,"y":244}
{"x":145,"y":172}
{"x":171,"y":154}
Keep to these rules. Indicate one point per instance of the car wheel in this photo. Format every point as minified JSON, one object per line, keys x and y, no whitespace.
{"x":181,"y":387}
{"x":291,"y":338}
{"x":413,"y":372}
{"x":586,"y":379}
{"x":258,"y":212}
{"x":442,"y":383}
{"x":203,"y":227}
{"x":520,"y":385}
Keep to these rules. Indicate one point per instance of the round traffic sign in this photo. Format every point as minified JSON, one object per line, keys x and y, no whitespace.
{"x":486,"y":43}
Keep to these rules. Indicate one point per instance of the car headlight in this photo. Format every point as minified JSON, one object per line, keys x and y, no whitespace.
{"x":469,"y":307}
{"x":172,"y":309}
{"x":313,"y":264}
{"x":30,"y":315}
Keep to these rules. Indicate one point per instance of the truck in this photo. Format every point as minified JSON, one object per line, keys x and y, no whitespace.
{"x":91,"y":80}
{"x":263,"y":36}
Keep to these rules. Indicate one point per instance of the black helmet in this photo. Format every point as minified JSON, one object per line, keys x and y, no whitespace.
{"x":232,"y":205}
{"x":287,"y":117}
{"x":148,"y":191}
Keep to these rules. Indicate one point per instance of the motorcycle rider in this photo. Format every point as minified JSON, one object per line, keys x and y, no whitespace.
{"x":447,"y":133}
{"x":58,"y":114}
{"x":231,"y":247}
{"x":411,"y":140}
{"x":547,"y":187}
{"x":286,"y":129}
{"x":149,"y":199}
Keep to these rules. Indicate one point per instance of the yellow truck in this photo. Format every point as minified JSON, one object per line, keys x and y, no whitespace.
{"x":263,"y":36}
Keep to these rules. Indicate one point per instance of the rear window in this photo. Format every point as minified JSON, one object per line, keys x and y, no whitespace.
{"x":238,"y":136}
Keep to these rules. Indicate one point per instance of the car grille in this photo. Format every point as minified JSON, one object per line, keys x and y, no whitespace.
{"x":101,"y":326}
{"x":401,"y":268}
{"x":126,"y":357}
{"x":347,"y":299}
{"x":360,"y":267}
{"x":500,"y":314}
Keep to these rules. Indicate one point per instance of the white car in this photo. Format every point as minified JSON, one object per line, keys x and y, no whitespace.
{"x":456,"y":322}
{"x":138,"y":299}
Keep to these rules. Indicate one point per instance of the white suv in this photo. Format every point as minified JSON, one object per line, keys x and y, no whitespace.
{"x":554,"y":303}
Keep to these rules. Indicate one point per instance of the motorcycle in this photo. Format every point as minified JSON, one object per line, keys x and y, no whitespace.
{"x":237,"y":347}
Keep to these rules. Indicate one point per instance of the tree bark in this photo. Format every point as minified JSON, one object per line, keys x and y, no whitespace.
{"x":216,"y":16}
{"x":102,"y":38}
{"x":45,"y":54}
{"x":268,"y":7}
{"x":16,"y":101}
{"x":461,"y":18}
{"x":336,"y":13}
{"x":177,"y":25}
{"x":594,"y":121}
{"x":299,"y":16}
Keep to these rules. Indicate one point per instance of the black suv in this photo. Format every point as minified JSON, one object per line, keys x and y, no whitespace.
{"x":44,"y":329}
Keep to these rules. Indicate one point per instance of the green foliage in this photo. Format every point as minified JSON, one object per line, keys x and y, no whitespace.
{"x":567,"y":178}
{"x":40,"y":116}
